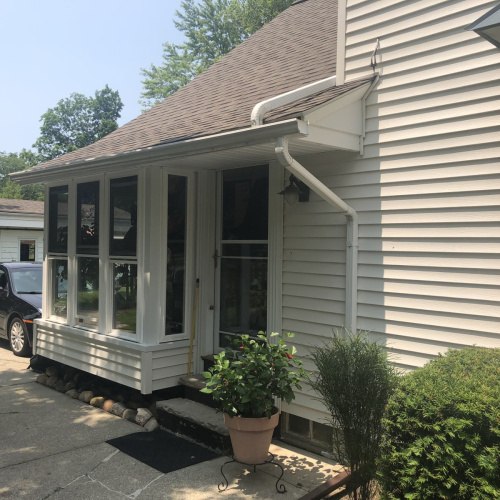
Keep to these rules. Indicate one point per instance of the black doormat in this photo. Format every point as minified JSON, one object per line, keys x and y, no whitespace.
{"x":161,"y":450}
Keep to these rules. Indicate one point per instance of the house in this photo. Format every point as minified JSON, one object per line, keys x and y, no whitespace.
{"x":21,"y":230}
{"x":387,"y":110}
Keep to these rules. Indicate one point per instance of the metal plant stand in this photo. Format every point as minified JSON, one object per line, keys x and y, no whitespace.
{"x":280,"y":488}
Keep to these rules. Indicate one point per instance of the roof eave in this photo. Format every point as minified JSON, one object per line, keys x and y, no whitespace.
{"x":191,"y":147}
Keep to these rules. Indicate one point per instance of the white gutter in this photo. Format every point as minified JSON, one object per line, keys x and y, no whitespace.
{"x":293,"y":166}
{"x":351,"y":289}
{"x":263,"y":107}
{"x":190,"y":147}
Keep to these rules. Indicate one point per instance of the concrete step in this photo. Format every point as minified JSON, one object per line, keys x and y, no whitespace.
{"x":192,"y":385}
{"x":195,"y":421}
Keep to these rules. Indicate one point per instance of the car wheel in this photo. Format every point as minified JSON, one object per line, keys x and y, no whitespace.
{"x":18,"y":338}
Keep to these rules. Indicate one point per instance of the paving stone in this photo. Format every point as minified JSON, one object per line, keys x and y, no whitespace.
{"x":151,"y":425}
{"x":143,"y":415}
{"x":118,"y":409}
{"x":108,"y":404}
{"x":98,"y":401}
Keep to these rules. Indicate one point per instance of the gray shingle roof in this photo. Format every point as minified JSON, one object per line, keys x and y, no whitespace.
{"x":21,"y":206}
{"x":297,"y":48}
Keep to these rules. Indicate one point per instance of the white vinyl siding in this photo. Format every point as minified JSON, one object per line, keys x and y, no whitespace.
{"x":10,"y":244}
{"x":145,"y":368}
{"x":427,"y":191}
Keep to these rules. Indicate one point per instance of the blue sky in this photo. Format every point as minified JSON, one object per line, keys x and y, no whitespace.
{"x":52,"y":48}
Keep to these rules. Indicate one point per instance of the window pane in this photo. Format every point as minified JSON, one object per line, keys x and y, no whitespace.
{"x":244,"y":250}
{"x":123,"y":234}
{"x":27,"y":251}
{"x":59,"y":299}
{"x":88,"y":218}
{"x":245,"y":204}
{"x":87,"y":307}
{"x":125,"y":297}
{"x":243,"y":297}
{"x":58,"y":219}
{"x":176,"y":253}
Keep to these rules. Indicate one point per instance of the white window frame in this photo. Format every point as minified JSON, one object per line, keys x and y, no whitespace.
{"x":190,"y":271}
{"x":95,"y":327}
{"x":105,"y":320}
{"x":109,"y":260}
{"x":26,"y":240}
{"x":51,"y":257}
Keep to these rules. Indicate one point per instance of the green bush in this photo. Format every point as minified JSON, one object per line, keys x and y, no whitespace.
{"x":442,"y":430}
{"x":355,"y":380}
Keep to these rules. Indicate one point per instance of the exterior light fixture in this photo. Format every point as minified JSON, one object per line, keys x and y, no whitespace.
{"x":296,"y":190}
{"x":488,"y":26}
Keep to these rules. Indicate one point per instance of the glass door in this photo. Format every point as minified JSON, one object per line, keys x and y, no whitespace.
{"x":241,"y":257}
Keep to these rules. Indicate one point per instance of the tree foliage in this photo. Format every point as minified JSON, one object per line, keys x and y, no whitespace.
{"x":77,"y":121}
{"x":14,"y":162}
{"x":212,"y":28}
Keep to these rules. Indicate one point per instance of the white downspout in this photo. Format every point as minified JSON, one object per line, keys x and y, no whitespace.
{"x":332,"y":199}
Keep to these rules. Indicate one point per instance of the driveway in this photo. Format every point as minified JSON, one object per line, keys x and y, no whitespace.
{"x":54,"y":447}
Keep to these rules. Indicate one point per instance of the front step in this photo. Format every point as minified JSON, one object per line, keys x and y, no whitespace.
{"x":195,"y":421}
{"x":192,"y":385}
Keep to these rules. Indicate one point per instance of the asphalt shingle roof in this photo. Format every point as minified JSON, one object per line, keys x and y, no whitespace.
{"x":21,"y":206}
{"x":297,"y":48}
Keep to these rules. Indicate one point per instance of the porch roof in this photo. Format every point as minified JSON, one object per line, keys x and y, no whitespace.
{"x":307,"y":134}
{"x":210,"y":116}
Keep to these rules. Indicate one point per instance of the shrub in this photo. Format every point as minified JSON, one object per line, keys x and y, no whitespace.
{"x":442,"y":430}
{"x":355,"y":380}
{"x":246,"y":381}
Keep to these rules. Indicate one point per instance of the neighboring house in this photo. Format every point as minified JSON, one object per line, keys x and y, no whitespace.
{"x":21,"y":230}
{"x":399,"y":143}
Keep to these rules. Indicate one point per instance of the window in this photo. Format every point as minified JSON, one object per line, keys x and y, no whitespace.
{"x":59,"y":291}
{"x":87,"y":224}
{"x":87,"y":304}
{"x":243,"y":252}
{"x":92,"y":255}
{"x":176,"y":254}
{"x":124,"y":297}
{"x":58,"y":219}
{"x":123,"y":226}
{"x":27,"y":251}
{"x":58,"y":244}
{"x":87,"y":246}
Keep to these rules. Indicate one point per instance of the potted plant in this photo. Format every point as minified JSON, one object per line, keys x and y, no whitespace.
{"x":246,"y":380}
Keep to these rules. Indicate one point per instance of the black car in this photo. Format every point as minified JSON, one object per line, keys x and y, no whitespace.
{"x":20,"y":303}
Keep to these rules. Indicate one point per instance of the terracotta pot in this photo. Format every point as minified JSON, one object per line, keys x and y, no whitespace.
{"x":251,"y":437}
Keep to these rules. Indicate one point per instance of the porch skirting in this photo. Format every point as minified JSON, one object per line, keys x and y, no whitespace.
{"x":142,"y":367}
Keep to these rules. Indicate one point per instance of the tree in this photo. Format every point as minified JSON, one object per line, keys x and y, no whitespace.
{"x":76,"y":122}
{"x":13,"y":162}
{"x":212,"y":28}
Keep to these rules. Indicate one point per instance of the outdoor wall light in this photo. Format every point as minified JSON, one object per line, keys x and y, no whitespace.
{"x":296,"y":190}
{"x":488,"y":26}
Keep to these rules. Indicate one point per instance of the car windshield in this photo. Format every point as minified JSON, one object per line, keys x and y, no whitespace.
{"x":27,"y":280}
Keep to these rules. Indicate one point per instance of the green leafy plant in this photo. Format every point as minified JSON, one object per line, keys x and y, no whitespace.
{"x":246,"y":380}
{"x":442,"y":430}
{"x":355,"y":380}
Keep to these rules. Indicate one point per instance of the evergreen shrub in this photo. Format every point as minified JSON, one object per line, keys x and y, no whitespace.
{"x":442,"y":430}
{"x":355,"y":380}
